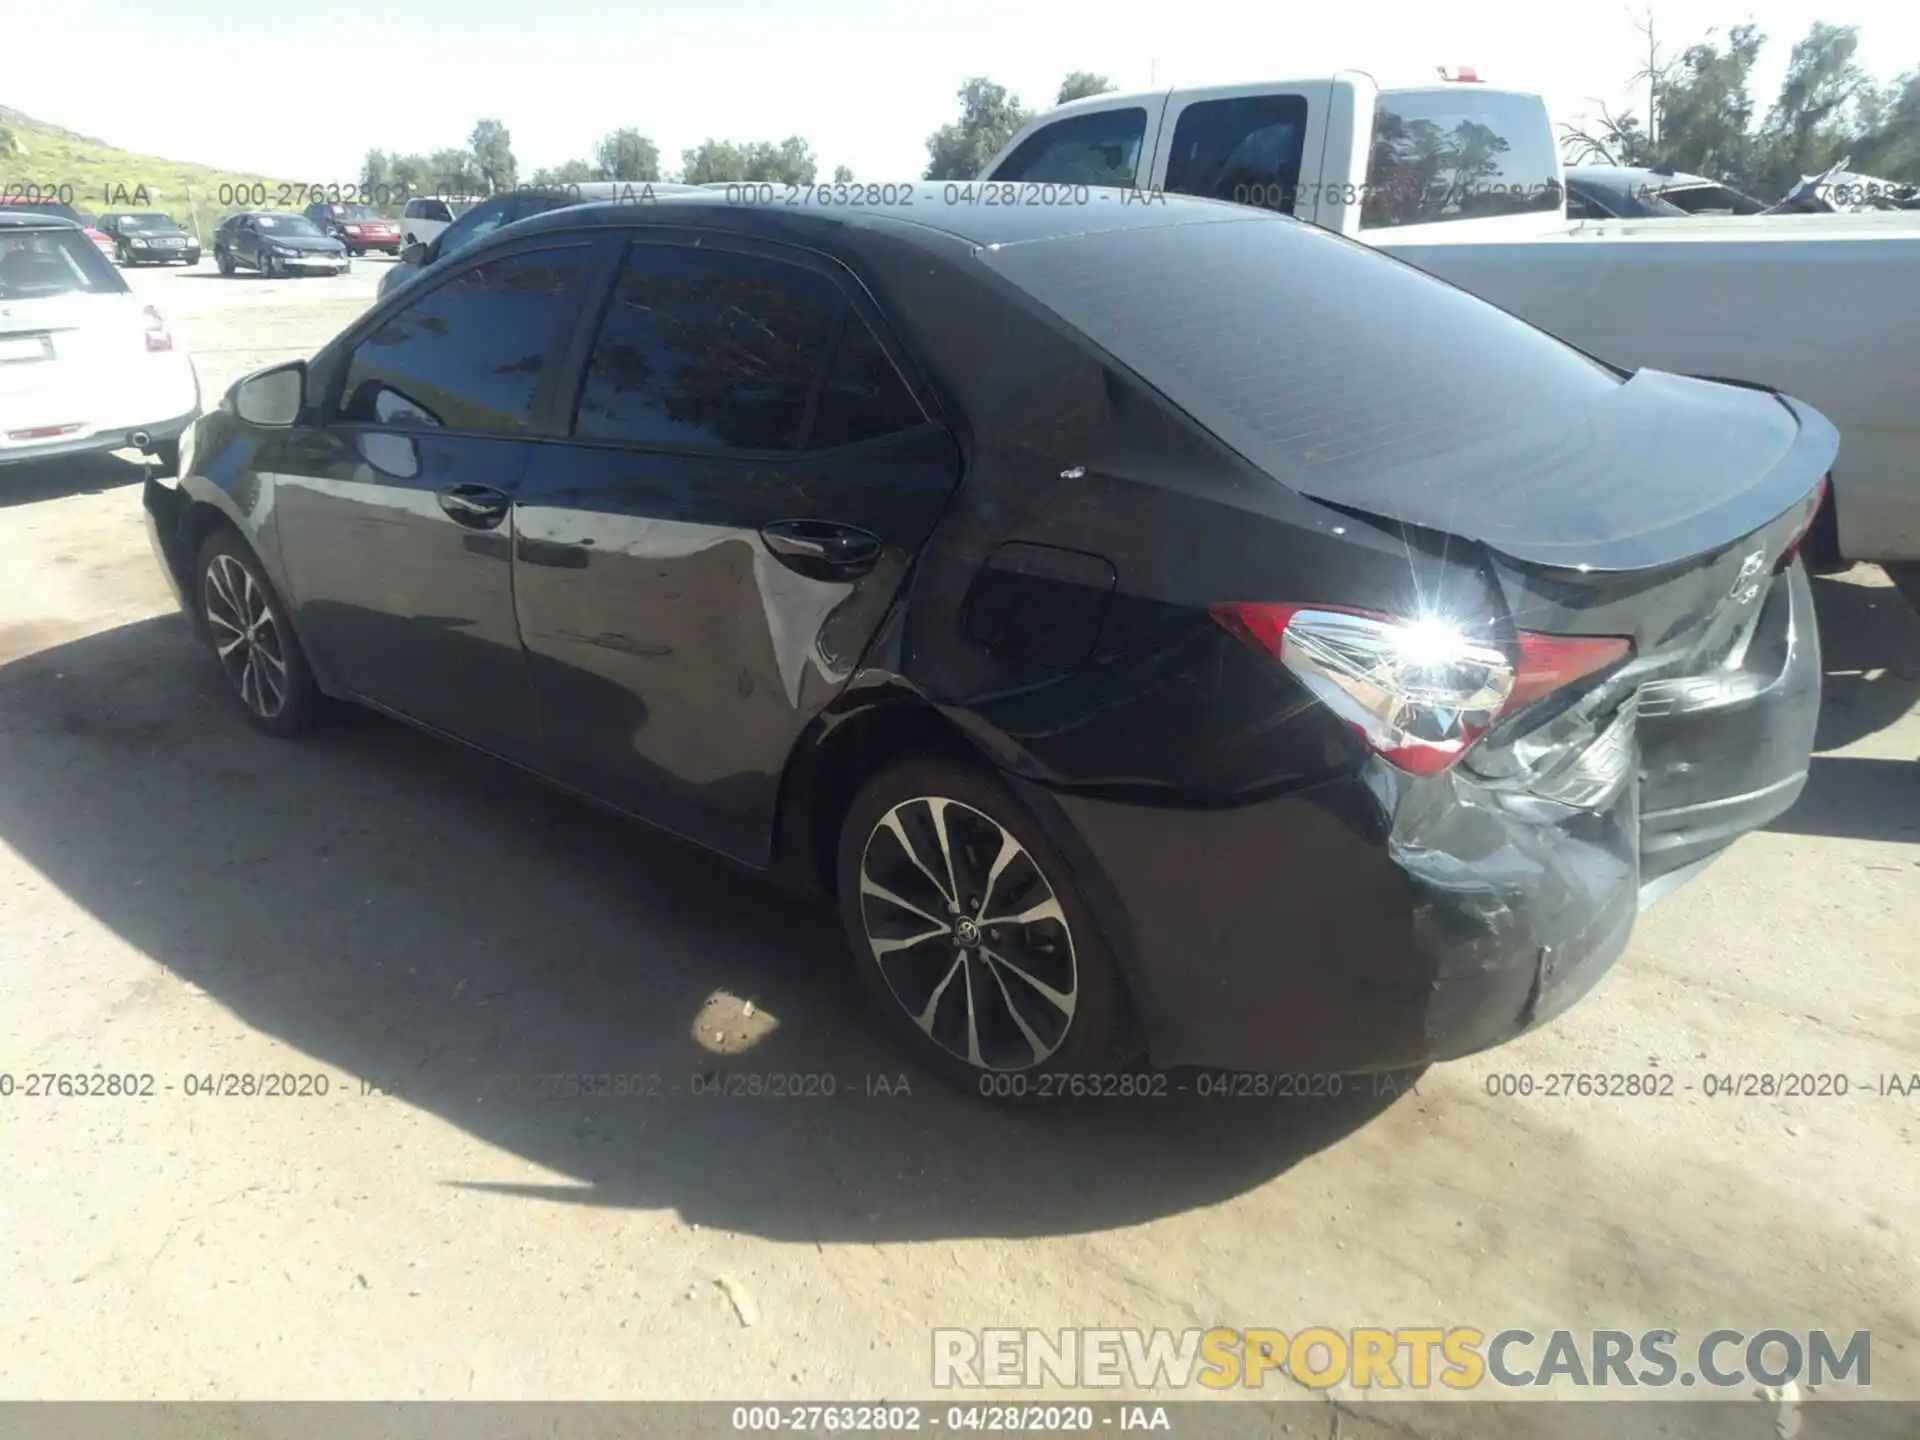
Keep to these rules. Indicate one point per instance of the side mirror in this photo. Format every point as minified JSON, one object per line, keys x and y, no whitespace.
{"x":414,"y":254}
{"x":273,"y":397}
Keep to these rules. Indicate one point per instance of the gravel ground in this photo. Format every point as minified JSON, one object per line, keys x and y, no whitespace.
{"x":180,"y":897}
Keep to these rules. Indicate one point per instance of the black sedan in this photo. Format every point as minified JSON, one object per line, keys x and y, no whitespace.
{"x":1158,"y":628}
{"x":276,"y":243}
{"x":145,"y":237}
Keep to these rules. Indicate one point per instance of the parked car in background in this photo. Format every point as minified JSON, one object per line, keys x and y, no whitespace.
{"x":427,"y":215}
{"x":1838,"y":190}
{"x":143,"y":237}
{"x":1464,"y":180}
{"x":518,"y":204}
{"x":59,"y":210}
{"x":1618,"y":192}
{"x":1154,"y":625}
{"x":85,"y":364}
{"x":276,"y":243}
{"x":359,"y":227}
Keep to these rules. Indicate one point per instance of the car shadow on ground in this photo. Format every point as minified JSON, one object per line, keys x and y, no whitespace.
{"x":433,"y":923}
{"x":1870,"y":653}
{"x":35,"y":480}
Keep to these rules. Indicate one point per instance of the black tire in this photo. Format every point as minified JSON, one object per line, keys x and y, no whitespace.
{"x":228,"y":612}
{"x":1018,"y":1033}
{"x":224,"y":261}
{"x":270,"y":267}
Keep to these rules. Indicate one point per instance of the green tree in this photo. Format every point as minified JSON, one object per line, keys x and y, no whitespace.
{"x":842,"y":175}
{"x":1082,"y":83}
{"x":1704,"y":116}
{"x":627,"y":155}
{"x":1889,"y":141}
{"x":1612,"y":140}
{"x":572,"y":172}
{"x":492,"y":149}
{"x":454,"y":172}
{"x":786,"y":162}
{"x":989,"y":117}
{"x":1815,"y":121}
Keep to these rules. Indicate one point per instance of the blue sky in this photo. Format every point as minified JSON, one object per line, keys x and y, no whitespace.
{"x":301,"y":92}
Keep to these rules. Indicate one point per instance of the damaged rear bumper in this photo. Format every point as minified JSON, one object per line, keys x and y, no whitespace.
{"x":1382,"y":921}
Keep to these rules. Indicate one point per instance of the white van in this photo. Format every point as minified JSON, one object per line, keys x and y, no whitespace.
{"x":427,"y":216}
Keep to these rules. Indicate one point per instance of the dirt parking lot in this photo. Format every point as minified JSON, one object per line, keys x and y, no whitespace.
{"x":180,"y":897}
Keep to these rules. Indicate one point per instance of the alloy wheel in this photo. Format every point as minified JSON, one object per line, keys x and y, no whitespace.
{"x":245,"y":635}
{"x":968,"y":934}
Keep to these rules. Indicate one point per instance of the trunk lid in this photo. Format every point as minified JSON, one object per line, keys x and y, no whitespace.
{"x":60,"y":354}
{"x":1654,"y":473}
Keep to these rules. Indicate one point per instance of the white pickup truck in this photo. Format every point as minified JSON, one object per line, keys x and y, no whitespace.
{"x":1464,"y":181}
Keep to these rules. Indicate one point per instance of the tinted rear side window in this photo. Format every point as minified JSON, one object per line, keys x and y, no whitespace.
{"x":1461,"y":153}
{"x":1245,"y":149}
{"x":1308,"y":353}
{"x":707,"y":350}
{"x":863,"y":396}
{"x":1098,"y":149}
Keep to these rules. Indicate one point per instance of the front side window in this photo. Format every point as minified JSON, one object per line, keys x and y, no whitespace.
{"x":1581,"y":206}
{"x":469,"y":354}
{"x":1245,"y":149}
{"x":1458,"y":154}
{"x":706,"y":350}
{"x":1098,"y":149}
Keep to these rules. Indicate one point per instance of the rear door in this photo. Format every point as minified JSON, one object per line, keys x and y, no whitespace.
{"x":395,"y":512}
{"x":697,"y":572}
{"x":1247,"y":144}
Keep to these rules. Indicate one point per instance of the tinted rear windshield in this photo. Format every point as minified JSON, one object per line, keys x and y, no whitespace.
{"x":1313,"y":356}
{"x":38,"y":263}
{"x":56,"y":208}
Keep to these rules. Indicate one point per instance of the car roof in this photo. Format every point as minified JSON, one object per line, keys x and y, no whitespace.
{"x":36,"y":220}
{"x":940,"y":208}
{"x":1634,"y":175}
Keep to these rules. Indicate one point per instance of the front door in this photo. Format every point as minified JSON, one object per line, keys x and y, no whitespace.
{"x":699,"y":570}
{"x":395,"y":515}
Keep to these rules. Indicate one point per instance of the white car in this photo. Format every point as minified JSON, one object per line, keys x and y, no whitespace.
{"x":426,"y":216}
{"x":85,"y":364}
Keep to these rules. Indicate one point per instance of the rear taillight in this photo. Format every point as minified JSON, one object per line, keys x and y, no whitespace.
{"x":1419,"y":692}
{"x":158,"y":336}
{"x":1813,"y":503}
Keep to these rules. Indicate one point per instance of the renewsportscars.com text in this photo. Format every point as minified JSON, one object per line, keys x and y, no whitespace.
{"x":1378,"y":1358}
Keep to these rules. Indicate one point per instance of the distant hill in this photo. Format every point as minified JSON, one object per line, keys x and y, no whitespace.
{"x":92,"y":175}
